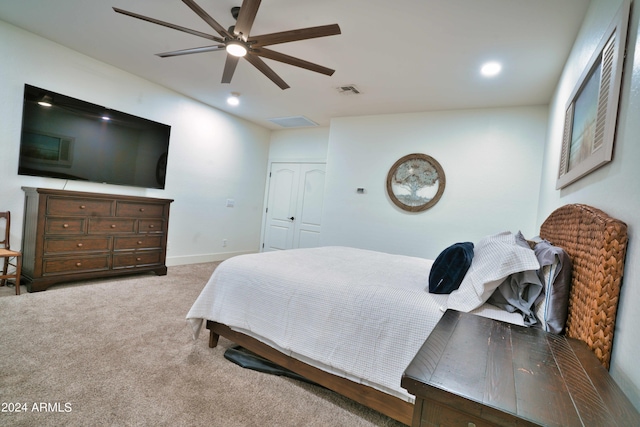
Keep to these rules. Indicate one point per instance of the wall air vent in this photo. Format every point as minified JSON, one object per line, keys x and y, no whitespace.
{"x":293,"y":122}
{"x":348,"y":90}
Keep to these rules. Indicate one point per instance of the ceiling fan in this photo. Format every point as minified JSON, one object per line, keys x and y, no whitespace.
{"x":238,"y":42}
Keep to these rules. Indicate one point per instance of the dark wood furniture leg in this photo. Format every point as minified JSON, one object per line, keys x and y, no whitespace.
{"x":213,"y":338}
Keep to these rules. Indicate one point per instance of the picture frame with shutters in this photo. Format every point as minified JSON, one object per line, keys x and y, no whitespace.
{"x":591,"y":113}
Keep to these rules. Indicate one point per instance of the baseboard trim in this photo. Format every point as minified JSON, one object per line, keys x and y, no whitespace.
{"x":198,"y":259}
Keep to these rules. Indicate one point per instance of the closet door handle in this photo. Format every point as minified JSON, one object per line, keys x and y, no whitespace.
{"x":292,"y":218}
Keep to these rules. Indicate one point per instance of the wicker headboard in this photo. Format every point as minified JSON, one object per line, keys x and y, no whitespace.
{"x":597,"y":245}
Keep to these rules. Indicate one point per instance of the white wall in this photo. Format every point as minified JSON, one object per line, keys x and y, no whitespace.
{"x":299,"y":145}
{"x":491,"y":159}
{"x":612,"y":188}
{"x":213,"y":155}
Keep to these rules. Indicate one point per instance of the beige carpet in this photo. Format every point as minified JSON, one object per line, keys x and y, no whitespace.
{"x":119,"y":353}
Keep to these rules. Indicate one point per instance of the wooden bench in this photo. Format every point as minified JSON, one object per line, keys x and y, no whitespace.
{"x":474,"y":371}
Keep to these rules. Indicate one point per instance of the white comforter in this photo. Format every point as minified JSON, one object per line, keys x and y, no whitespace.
{"x":355,"y":313}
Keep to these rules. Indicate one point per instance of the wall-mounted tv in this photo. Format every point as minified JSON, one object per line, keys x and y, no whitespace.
{"x":64,"y":137}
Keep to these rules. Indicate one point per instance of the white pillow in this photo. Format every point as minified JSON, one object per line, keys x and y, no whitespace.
{"x":494,"y":259}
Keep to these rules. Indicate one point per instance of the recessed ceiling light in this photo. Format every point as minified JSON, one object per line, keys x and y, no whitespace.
{"x":233,"y":99}
{"x":490,"y":69}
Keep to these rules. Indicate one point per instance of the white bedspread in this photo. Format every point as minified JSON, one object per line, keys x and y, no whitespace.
{"x":355,"y":313}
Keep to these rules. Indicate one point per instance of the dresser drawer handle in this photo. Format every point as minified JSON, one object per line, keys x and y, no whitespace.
{"x":65,"y":225}
{"x":113,"y":226}
{"x":152,"y":226}
{"x":138,"y":259}
{"x":141,"y":209}
{"x":139,"y":242}
{"x":83,"y":207}
{"x":79,"y":245}
{"x":78,"y":264}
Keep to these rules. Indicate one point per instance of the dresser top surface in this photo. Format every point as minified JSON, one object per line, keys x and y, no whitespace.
{"x":84,"y":194}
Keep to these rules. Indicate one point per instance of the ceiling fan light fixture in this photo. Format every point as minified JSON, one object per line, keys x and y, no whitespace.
{"x":236,"y":48}
{"x":238,"y":41}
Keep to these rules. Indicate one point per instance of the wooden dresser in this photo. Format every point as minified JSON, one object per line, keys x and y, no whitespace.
{"x":473,"y":372}
{"x":71,"y":235}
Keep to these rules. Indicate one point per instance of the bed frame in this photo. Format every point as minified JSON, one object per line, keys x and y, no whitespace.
{"x":596,"y":244}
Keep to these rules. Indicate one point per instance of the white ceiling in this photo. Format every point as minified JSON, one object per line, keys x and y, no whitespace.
{"x":403,"y":55}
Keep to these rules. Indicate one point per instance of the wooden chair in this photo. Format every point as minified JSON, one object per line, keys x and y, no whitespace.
{"x":11,"y":258}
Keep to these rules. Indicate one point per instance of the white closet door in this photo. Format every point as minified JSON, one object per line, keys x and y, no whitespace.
{"x":294,"y":206}
{"x":309,"y":212}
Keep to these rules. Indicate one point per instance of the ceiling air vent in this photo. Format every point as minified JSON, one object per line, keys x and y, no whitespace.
{"x":293,"y":122}
{"x":348,"y":90}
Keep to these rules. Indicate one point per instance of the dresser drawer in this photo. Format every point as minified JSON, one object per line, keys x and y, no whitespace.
{"x":73,"y":206}
{"x":137,"y":242}
{"x":65,"y":226}
{"x":75,"y":264}
{"x":137,"y":259}
{"x":139,"y":210}
{"x":78,"y":244}
{"x":111,"y":225}
{"x":151,"y":226}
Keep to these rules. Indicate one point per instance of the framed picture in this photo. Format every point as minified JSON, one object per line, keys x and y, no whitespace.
{"x":591,"y":113}
{"x":415,"y":182}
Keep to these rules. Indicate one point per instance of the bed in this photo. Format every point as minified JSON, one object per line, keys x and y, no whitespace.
{"x":356,"y":337}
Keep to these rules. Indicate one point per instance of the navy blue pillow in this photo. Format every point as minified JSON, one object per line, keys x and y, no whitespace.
{"x":449,"y":268}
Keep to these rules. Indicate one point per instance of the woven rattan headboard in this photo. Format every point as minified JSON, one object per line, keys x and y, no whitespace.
{"x":597,"y":245}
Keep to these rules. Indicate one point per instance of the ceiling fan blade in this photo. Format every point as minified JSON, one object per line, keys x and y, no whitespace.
{"x":169,"y":25}
{"x":192,"y":50}
{"x":229,"y":68}
{"x":264,"y":68}
{"x":247,"y":15}
{"x":207,"y":18}
{"x":281,"y":57}
{"x":294,"y":35}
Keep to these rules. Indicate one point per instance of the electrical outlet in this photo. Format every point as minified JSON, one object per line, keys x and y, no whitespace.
{"x":224,"y":243}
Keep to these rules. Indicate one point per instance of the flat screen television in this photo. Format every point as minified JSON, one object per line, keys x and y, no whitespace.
{"x":64,"y":137}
